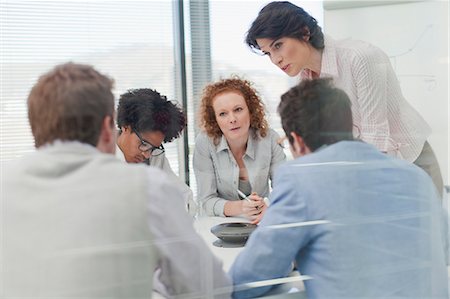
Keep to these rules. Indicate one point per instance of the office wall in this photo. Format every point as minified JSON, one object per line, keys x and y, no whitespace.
{"x":415,"y":36}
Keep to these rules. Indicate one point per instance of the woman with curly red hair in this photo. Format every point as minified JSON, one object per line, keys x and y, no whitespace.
{"x":235,"y":151}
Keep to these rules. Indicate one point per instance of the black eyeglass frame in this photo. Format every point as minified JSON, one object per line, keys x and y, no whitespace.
{"x":146,"y":146}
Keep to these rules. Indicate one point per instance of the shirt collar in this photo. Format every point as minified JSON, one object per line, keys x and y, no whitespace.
{"x":223,"y":145}
{"x":251,"y":145}
{"x":329,"y":67}
{"x":323,"y":146}
{"x":69,"y":146}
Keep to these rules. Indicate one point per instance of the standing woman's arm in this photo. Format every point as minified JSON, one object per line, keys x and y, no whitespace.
{"x":373,"y":73}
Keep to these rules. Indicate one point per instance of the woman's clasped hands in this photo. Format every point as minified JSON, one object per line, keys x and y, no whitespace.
{"x":254,"y":207}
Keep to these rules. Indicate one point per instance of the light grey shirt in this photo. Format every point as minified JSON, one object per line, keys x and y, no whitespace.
{"x":187,"y":267}
{"x":217,"y":172}
{"x":80,"y":223}
{"x":162,"y":163}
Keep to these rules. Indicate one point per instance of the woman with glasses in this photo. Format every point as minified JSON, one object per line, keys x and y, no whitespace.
{"x":294,"y":42}
{"x":235,"y":151}
{"x":146,"y":120}
{"x":144,"y":151}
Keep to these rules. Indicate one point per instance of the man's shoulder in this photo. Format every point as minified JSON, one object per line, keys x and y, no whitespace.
{"x":135,"y":175}
{"x":348,"y":150}
{"x":152,"y":172}
{"x":342,"y":150}
{"x":355,"y":156}
{"x":344,"y":153}
{"x":14,"y":168}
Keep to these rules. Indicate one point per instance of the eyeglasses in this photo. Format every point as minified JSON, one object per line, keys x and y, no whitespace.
{"x":146,"y":146}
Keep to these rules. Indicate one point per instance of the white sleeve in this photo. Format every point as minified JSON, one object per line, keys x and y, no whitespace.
{"x":188,"y":196}
{"x":373,"y":74}
{"x":187,"y":268}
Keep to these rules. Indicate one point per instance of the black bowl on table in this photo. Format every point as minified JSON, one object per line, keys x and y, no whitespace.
{"x":233,"y":234}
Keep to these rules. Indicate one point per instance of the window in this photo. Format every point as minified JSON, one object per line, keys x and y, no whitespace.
{"x":130,"y":41}
{"x":225,"y":24}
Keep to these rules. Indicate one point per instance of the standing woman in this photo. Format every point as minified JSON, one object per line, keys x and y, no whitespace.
{"x":236,"y":150}
{"x":381,"y":115}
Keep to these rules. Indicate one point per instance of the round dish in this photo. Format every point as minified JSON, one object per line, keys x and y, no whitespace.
{"x":233,"y":232}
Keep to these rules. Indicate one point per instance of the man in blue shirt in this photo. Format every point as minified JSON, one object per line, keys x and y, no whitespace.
{"x":361,"y":224}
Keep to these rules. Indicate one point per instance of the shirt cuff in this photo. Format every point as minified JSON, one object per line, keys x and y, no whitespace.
{"x":218,"y":208}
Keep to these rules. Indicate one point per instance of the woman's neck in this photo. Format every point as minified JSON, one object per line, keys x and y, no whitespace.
{"x":315,"y":64}
{"x":238,"y":147}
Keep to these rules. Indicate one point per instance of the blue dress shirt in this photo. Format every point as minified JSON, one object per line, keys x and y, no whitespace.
{"x":382,"y":233}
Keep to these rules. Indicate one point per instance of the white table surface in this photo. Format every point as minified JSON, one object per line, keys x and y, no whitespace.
{"x":203,"y":227}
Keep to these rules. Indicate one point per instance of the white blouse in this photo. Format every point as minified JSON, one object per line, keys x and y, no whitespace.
{"x":381,"y":115}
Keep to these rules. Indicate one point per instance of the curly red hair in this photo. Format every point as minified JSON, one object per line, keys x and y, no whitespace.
{"x":243,"y":87}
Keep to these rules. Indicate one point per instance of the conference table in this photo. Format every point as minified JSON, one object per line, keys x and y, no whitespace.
{"x":293,"y":287}
{"x":203,"y":227}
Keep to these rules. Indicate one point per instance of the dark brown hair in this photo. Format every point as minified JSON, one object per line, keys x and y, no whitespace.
{"x":318,"y":112}
{"x":284,"y":19}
